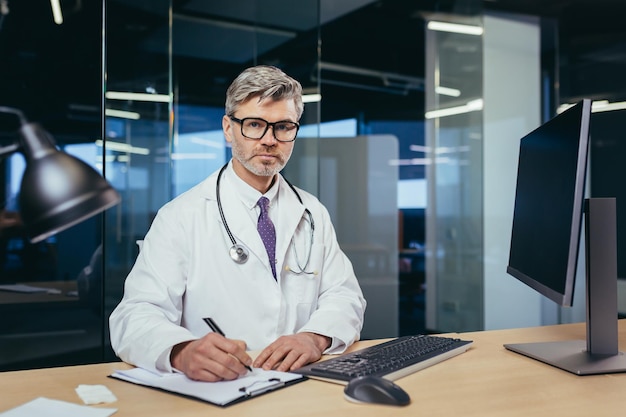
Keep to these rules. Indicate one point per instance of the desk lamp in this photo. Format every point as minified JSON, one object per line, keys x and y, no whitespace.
{"x":57,"y":190}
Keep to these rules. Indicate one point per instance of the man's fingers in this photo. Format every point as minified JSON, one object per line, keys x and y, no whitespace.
{"x":242,"y":344}
{"x":289,"y":361}
{"x":241,"y":353}
{"x":213,"y":358}
{"x":262,"y":357}
{"x":231,"y":353}
{"x":277,"y":353}
{"x":291,"y":352}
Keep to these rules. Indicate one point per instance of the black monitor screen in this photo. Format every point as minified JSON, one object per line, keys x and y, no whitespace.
{"x":549,"y":204}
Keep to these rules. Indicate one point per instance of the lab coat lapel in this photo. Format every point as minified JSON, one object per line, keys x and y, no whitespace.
{"x":289,"y":216}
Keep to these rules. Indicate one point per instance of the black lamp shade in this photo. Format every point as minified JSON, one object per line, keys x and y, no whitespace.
{"x":58,"y":190}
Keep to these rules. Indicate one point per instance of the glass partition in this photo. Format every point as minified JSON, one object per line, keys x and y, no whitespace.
{"x":146,"y":111}
{"x":372,"y":178}
{"x":51,"y":290}
{"x":454,"y":262}
{"x":138,"y":126}
{"x":352,"y":160}
{"x":178,"y":59}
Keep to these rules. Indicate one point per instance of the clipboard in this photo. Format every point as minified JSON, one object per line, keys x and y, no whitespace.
{"x":222,"y":393}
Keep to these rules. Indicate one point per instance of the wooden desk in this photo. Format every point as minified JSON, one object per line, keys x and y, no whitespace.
{"x":487,"y":380}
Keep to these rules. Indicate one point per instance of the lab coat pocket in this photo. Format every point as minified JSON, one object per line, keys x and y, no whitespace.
{"x":301,"y":281}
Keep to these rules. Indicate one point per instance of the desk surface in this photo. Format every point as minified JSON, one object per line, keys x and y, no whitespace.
{"x":487,"y":380}
{"x":63,"y":287}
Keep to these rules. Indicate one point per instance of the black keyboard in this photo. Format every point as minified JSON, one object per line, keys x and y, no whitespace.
{"x":392,"y":360}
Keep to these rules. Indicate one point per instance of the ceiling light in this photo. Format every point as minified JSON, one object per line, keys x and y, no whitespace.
{"x":419,"y":148}
{"x":420,"y":161}
{"x":122,"y":114}
{"x":386,"y":81}
{"x":455,"y":28}
{"x":56,"y":12}
{"x":207,"y":142}
{"x":311,"y":98}
{"x":473,"y":105}
{"x":125,"y":95}
{"x":447,"y":91}
{"x":598,"y":106}
{"x":197,"y":155}
{"x":122,"y":147}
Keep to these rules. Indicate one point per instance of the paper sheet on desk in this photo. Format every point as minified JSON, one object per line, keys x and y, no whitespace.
{"x":27,"y":289}
{"x":54,"y":408}
{"x":220,"y":393}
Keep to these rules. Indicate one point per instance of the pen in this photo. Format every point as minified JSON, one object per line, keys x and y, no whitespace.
{"x":213,"y":325}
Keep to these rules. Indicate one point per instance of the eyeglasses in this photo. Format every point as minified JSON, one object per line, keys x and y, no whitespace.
{"x":255,"y":128}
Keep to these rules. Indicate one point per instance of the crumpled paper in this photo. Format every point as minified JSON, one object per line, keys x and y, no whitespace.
{"x":95,"y":394}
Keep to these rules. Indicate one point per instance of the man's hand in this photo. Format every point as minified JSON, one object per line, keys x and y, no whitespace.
{"x":292,"y":352}
{"x":212,"y":358}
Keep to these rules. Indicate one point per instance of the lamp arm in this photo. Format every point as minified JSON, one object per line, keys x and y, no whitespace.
{"x":7,"y":150}
{"x":13,"y":110}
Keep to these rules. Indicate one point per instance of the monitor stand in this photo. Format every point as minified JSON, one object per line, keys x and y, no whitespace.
{"x":599,"y":354}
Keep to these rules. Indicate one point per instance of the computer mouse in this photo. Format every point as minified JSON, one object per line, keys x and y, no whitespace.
{"x":375,"y":390}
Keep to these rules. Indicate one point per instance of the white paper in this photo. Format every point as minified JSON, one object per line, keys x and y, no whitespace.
{"x":221,"y":393}
{"x":54,"y":408}
{"x":95,"y":394}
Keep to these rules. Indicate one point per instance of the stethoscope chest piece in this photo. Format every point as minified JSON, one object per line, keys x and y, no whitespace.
{"x":238,"y":253}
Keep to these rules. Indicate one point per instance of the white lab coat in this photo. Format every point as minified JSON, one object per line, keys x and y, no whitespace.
{"x":184,"y":273}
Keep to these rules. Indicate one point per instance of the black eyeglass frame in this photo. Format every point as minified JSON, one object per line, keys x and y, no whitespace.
{"x":267,"y":126}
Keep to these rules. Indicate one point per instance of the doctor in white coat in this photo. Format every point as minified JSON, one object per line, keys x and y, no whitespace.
{"x":203,"y":257}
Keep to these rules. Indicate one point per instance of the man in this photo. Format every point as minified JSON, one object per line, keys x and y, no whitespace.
{"x":203,"y":257}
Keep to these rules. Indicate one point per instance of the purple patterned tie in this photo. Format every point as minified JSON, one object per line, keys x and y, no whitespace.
{"x":267,"y":232}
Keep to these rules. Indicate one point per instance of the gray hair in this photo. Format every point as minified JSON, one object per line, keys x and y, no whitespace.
{"x":263,"y":81}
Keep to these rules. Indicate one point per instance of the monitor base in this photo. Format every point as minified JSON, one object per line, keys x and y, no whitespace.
{"x":571,"y":356}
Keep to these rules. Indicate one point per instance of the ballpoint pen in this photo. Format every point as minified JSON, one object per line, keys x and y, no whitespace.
{"x":213,"y":325}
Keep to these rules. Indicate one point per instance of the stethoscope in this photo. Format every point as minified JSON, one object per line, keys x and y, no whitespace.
{"x":239,"y":253}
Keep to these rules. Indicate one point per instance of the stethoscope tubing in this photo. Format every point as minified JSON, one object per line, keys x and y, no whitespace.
{"x":238,"y":252}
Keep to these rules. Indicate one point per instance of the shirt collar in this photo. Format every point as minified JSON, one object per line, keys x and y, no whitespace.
{"x":249,"y":195}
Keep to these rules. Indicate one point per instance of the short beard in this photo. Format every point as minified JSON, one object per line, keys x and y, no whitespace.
{"x":263,"y":170}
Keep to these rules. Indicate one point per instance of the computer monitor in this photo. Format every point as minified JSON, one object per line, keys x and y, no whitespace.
{"x":547,"y":219}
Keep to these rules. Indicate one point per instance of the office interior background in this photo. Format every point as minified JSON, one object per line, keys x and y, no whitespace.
{"x":409,"y":137}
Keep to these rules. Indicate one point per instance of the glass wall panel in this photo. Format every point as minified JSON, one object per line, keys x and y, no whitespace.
{"x":455,"y":201}
{"x":51,"y":290}
{"x":373,"y":181}
{"x":364,"y":149}
{"x":183,"y":56}
{"x":211,"y":43}
{"x":138,"y":126}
